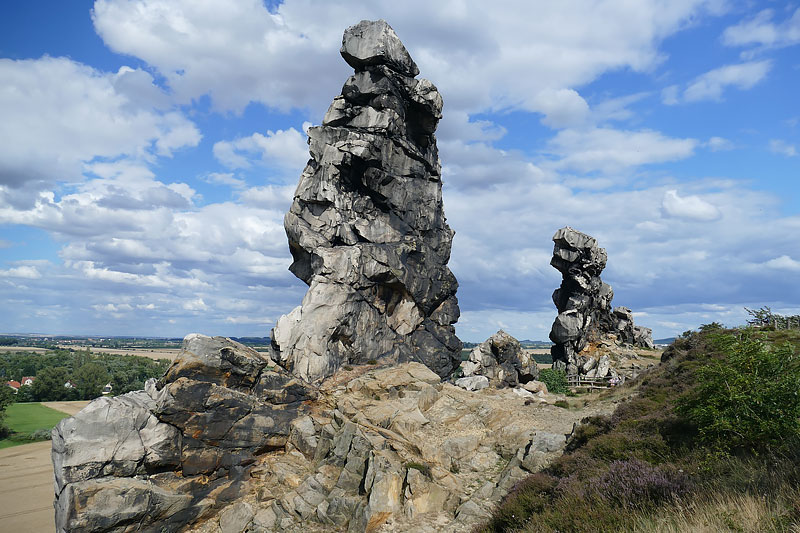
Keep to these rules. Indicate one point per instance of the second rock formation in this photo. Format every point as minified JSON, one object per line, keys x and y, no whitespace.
{"x":584,"y":306}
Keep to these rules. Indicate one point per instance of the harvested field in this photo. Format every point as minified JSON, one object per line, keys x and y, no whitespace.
{"x":22,"y":349}
{"x":26,"y":488}
{"x":26,"y":482}
{"x":155,"y":353}
{"x":71,"y":408}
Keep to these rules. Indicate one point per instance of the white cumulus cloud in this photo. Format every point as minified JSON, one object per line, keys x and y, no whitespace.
{"x":760,"y":30}
{"x":284,"y":148}
{"x":24,"y":272}
{"x":612,"y":150}
{"x":710,"y":86}
{"x":691,"y":207}
{"x":783,"y":262}
{"x":59,"y":114}
{"x":778,"y":146}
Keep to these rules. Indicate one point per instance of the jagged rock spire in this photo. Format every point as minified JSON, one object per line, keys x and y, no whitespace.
{"x":584,"y":303}
{"x":367,"y":230}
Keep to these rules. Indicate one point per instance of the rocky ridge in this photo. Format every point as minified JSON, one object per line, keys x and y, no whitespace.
{"x":367,"y":230}
{"x":228,"y":442}
{"x":367,"y":233}
{"x":585,"y":318}
{"x":232,"y":440}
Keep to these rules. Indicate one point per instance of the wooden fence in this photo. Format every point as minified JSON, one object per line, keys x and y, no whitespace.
{"x":589,"y":383}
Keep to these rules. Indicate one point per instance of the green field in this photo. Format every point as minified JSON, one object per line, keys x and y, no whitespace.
{"x":25,"y":418}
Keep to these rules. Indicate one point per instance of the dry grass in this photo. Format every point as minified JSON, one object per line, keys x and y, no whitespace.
{"x":745,"y":513}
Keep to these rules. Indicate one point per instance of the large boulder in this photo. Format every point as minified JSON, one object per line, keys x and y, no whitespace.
{"x":500,"y":359}
{"x":173,"y":453}
{"x":367,"y":230}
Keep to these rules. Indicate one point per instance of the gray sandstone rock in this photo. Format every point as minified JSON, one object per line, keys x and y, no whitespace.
{"x":366,"y":229}
{"x":370,"y":43}
{"x":584,"y":305}
{"x":236,"y":518}
{"x":473,"y":383}
{"x":149,"y":459}
{"x":501,"y":360}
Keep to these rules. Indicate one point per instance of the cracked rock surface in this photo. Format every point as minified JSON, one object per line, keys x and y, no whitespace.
{"x":585,"y":317}
{"x":173,"y":453}
{"x":366,"y":229}
{"x":394,"y":449}
{"x":501,"y":360}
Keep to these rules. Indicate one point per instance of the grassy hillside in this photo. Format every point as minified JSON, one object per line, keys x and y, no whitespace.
{"x":707,"y":441}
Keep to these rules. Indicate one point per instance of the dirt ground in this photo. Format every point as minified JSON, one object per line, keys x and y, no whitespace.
{"x":26,"y":488}
{"x":70,"y":408}
{"x":26,"y":482}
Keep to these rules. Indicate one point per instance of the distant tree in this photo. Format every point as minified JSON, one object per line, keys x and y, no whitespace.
{"x":6,"y":398}
{"x":49,"y":384}
{"x":25,"y":394}
{"x":91,"y":378}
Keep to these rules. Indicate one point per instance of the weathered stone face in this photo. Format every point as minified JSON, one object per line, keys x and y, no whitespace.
{"x":366,"y":229}
{"x":584,"y":305}
{"x":501,"y":360}
{"x":162,"y":457}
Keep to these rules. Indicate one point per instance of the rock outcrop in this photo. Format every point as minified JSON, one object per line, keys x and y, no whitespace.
{"x":501,"y":360}
{"x":396,"y":450}
{"x":228,"y":442}
{"x":584,"y":308}
{"x":179,"y":450}
{"x":367,"y":230}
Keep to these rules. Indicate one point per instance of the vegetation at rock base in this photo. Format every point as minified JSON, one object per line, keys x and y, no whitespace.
{"x":709,"y":440}
{"x":556,"y":380}
{"x":425,"y":469}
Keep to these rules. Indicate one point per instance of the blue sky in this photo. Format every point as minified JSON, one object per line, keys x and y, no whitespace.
{"x":149,"y":149}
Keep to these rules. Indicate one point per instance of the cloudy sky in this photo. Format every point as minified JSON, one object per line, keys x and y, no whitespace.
{"x":149,"y":149}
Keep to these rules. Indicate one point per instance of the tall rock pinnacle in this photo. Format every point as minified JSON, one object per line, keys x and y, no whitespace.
{"x":367,"y":230}
{"x":584,"y":303}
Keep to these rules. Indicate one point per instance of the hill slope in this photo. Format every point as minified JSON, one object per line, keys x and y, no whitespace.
{"x":708,"y":442}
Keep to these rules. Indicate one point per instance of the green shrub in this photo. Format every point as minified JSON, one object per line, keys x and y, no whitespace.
{"x":425,"y":469}
{"x":747,"y":398}
{"x":556,"y":380}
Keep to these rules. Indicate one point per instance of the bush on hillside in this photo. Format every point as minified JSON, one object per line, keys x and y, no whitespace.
{"x":556,"y":380}
{"x":746,"y":399}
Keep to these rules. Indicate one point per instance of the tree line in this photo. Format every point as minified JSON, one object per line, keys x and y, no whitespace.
{"x":62,"y":375}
